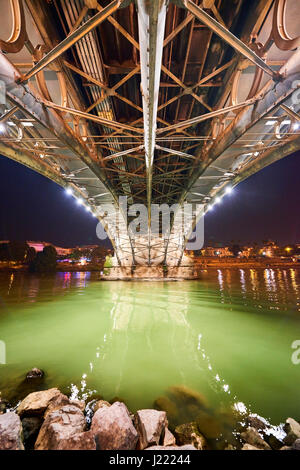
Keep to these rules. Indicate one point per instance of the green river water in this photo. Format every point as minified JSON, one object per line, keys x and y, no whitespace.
{"x":227,"y":336}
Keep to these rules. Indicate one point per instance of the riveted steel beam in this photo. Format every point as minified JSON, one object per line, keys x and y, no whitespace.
{"x":228,"y":37}
{"x":73,"y":38}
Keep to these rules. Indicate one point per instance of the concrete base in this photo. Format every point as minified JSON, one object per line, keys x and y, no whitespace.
{"x":150,"y":273}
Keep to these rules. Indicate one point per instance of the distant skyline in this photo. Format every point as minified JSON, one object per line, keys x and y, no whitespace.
{"x":265,"y":206}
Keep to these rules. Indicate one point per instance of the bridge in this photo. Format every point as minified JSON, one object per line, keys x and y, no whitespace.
{"x":161,"y":102}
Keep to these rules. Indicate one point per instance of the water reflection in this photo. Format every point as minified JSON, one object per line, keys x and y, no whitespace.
{"x":219,"y":336}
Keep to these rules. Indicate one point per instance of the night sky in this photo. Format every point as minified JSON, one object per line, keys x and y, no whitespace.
{"x":266,"y":206}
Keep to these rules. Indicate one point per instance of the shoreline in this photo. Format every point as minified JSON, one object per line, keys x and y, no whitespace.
{"x":198,"y":266}
{"x":49,"y":420}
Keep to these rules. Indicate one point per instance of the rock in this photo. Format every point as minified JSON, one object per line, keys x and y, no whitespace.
{"x":187,"y":447}
{"x":81,"y":441}
{"x":58,"y":427}
{"x":292,"y":428}
{"x":57,"y":402}
{"x":169,"y":438}
{"x":36,"y":403}
{"x":31,"y":426}
{"x":34,"y":374}
{"x":186,"y":395}
{"x":3,"y":405}
{"x":79,"y":403}
{"x":165,"y":404}
{"x":208,"y":425}
{"x":296,"y":445}
{"x":149,"y":425}
{"x":286,"y":448}
{"x":100,"y":404}
{"x":189,"y":434}
{"x":250,"y":447}
{"x":255,"y":422}
{"x":113,"y":428}
{"x":251,"y":436}
{"x":11,"y":432}
{"x":273,"y":441}
{"x":229,"y":447}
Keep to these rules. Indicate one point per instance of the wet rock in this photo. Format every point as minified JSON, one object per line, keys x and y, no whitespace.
{"x":186,"y":447}
{"x":100,"y":404}
{"x":229,"y":447}
{"x":31,"y":427}
{"x":181,"y":404}
{"x":250,"y":447}
{"x":296,"y":445}
{"x":292,"y":428}
{"x":273,"y":441}
{"x":3,"y":405}
{"x":251,"y":436}
{"x":34,"y":374}
{"x":169,"y":438}
{"x":186,"y":395}
{"x":113,"y":428}
{"x":255,"y":422}
{"x":165,"y":404}
{"x":189,"y":434}
{"x":11,"y":432}
{"x":57,"y":402}
{"x":149,"y":425}
{"x":208,"y":425}
{"x":36,"y":403}
{"x":79,"y":403}
{"x":58,"y":427}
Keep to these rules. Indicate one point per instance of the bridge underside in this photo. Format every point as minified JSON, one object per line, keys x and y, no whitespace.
{"x":162,"y":102}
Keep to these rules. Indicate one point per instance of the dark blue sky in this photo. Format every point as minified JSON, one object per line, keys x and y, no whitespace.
{"x":264,"y":206}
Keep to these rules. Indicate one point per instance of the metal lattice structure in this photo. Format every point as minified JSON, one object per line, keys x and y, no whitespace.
{"x":162,"y":102}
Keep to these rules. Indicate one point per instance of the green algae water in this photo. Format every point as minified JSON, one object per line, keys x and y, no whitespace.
{"x":227,"y":337}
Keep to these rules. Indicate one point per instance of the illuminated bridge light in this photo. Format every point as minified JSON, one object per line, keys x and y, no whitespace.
{"x":69,"y":192}
{"x":2,"y":128}
{"x":228,"y":190}
{"x":79,"y":201}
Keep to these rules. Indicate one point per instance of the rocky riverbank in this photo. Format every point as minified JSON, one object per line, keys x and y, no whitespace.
{"x":49,"y":420}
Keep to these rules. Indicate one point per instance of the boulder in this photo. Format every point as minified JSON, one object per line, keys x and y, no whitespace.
{"x":292,"y":428}
{"x":59,"y":426}
{"x":79,"y":403}
{"x":208,"y":425}
{"x":187,"y":447}
{"x":57,"y":402}
{"x":11,"y":433}
{"x":81,"y":441}
{"x":296,"y":445}
{"x":169,"y":438}
{"x":189,"y":434}
{"x":149,"y":425}
{"x":31,"y":427}
{"x":34,"y":374}
{"x":36,"y":403}
{"x":255,"y":422}
{"x":250,"y":447}
{"x":273,"y":441}
{"x":100,"y":404}
{"x":113,"y":428}
{"x":251,"y":436}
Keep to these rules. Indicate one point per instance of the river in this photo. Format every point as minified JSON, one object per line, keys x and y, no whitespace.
{"x":227,"y":336}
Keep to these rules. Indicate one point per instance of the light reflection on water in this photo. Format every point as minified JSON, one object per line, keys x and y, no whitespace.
{"x":227,"y":336}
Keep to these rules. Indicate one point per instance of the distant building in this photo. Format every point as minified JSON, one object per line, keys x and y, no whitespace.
{"x":39,"y":246}
{"x":216,"y":251}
